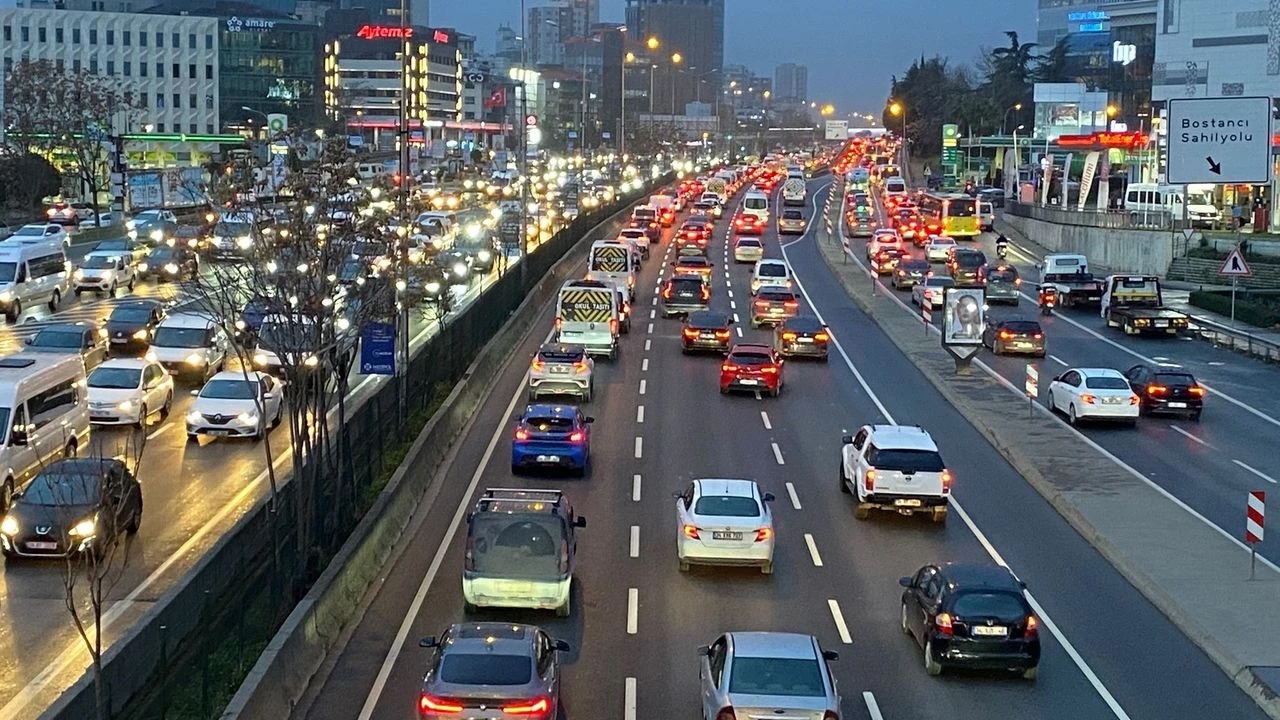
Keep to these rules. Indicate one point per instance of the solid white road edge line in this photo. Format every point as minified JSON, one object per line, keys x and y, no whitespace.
{"x":838,"y":617}
{"x":633,"y":610}
{"x":813,"y":550}
{"x":795,"y":499}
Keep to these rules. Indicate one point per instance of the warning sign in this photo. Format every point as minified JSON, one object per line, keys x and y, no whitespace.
{"x":1235,"y":264}
{"x":610,"y":259}
{"x":579,"y":305}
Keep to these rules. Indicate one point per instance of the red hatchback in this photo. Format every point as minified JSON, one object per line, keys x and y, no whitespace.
{"x":752,"y":367}
{"x":746,"y":224}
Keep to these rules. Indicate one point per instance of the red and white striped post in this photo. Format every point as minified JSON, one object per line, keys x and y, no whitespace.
{"x":926,"y":311}
{"x":1032,"y":388}
{"x":1254,"y":522}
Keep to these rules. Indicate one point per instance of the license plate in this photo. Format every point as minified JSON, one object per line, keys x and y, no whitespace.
{"x":804,"y":340}
{"x":556,"y":370}
{"x":99,"y":416}
{"x":1177,"y":405}
{"x":119,"y":340}
{"x":1162,"y":323}
{"x":746,"y":382}
{"x":990,"y":631}
{"x":708,"y":336}
{"x":1022,"y":345}
{"x":517,"y":588}
{"x":218,"y":433}
{"x":774,"y":310}
{"x":907,"y":502}
{"x":42,"y":545}
{"x":548,"y":458}
{"x":724,"y":535}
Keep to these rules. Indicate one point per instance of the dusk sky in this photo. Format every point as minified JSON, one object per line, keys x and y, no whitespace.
{"x":850,"y":68}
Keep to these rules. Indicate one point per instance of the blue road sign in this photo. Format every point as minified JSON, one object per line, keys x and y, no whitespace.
{"x":378,"y":349}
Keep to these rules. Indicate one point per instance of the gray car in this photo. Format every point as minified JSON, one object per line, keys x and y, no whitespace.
{"x":561,"y":369}
{"x":502,"y":671}
{"x":768,"y":674}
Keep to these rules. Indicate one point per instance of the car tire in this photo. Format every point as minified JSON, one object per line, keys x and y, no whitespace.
{"x":684,"y":566}
{"x":931,"y":666}
{"x":193,"y":438}
{"x":1071,"y":415}
{"x":515,"y":469}
{"x":143,"y":413}
{"x":862,"y":511}
{"x":902,"y":620}
{"x":533,"y":396}
{"x":724,"y":390}
{"x":55,"y":300}
{"x":111,"y":292}
{"x":844,"y":483}
{"x":997,"y":348}
{"x":77,"y":291}
{"x":1195,"y":417}
{"x":767,"y":568}
{"x":939,"y":515}
{"x":164,"y":409}
{"x":586,"y":395}
{"x":564,"y":610}
{"x":1048,"y":401}
{"x":1031,"y":673}
{"x":469,"y":608}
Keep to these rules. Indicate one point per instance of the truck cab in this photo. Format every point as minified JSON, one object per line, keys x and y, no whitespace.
{"x":1135,"y":304}
{"x":1069,"y":274}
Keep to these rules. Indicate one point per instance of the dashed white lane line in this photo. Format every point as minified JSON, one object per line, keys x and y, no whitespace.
{"x":813,"y":550}
{"x":644,"y":385}
{"x":1255,"y":471}
{"x":647,"y":345}
{"x":730,"y":293}
{"x":654,"y":302}
{"x":633,"y":610}
{"x":728,"y":282}
{"x":650,"y":328}
{"x":1187,"y":435}
{"x":736,"y":318}
{"x":635,"y":488}
{"x":644,"y":365}
{"x":639,"y":447}
{"x":653,"y":314}
{"x":1058,"y":360}
{"x":791,"y":493}
{"x":838,"y":617}
{"x":764,"y":416}
{"x":739,"y":331}
{"x":639,"y":413}
{"x":777,"y":453}
{"x":635,"y":541}
{"x":873,"y":708}
{"x":733,"y":305}
{"x":629,"y":699}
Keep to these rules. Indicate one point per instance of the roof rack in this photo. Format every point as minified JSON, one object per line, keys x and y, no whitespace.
{"x":521,"y":494}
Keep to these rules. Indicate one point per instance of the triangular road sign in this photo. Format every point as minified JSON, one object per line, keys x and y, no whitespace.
{"x":928,"y":170}
{"x":1235,"y":265}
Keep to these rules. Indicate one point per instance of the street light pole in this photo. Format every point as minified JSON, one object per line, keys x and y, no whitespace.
{"x":524,"y":144}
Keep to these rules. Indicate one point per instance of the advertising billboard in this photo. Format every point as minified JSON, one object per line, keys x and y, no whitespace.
{"x":963,"y":319}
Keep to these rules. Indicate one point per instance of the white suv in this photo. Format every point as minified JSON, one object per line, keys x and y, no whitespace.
{"x":897,"y":468}
{"x":770,"y":273}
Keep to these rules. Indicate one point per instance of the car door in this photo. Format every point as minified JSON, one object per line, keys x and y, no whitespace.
{"x":545,"y":659}
{"x":23,"y":458}
{"x":916,"y":617}
{"x":928,"y":594}
{"x":684,"y":505}
{"x":154,"y":386}
{"x":1071,"y":384}
{"x":713,"y":678}
{"x":1137,"y":376}
{"x":853,"y":455}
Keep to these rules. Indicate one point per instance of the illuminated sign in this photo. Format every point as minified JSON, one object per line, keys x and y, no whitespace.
{"x":237,"y":24}
{"x":441,"y":36}
{"x":383,"y":32}
{"x":1089,"y":15}
{"x":1122,"y":140}
{"x":1122,"y":53}
{"x":1091,"y":27}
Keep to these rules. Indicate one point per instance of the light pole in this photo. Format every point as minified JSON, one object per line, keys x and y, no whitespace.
{"x":627,"y":59}
{"x":898,"y":109}
{"x":676,"y":59}
{"x":524,"y":144}
{"x":1005,"y":121}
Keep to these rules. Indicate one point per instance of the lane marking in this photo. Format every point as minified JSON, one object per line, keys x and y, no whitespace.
{"x":647,"y":344}
{"x":635,"y":541}
{"x":730,"y":292}
{"x":873,"y":708}
{"x":736,"y":318}
{"x":795,"y":499}
{"x":162,"y":428}
{"x":639,"y":413}
{"x":1255,"y":471}
{"x":653,"y":313}
{"x":1058,"y":360}
{"x":739,"y":331}
{"x":650,"y":328}
{"x":841,"y":627}
{"x":1187,"y":435}
{"x":644,"y":364}
{"x":765,"y":417}
{"x":644,"y":385}
{"x":629,"y":699}
{"x":633,"y":610}
{"x":813,"y":550}
{"x":654,"y":302}
{"x":777,"y":453}
{"x":733,"y":305}
{"x":635,"y":488}
{"x":639,"y":446}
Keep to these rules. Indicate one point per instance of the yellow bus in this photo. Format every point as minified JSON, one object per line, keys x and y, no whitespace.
{"x":955,"y":214}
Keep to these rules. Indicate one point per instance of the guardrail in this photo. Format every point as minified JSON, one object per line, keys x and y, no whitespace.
{"x":1239,"y":340}
{"x":1111,"y":219}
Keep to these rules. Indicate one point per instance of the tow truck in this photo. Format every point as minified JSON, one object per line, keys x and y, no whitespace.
{"x":1135,"y":304}
{"x":1068,"y":273}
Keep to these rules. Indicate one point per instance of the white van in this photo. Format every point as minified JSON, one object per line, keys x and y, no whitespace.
{"x":895,"y":187}
{"x":756,"y":203}
{"x":587,"y":314}
{"x":190,"y":344}
{"x":1142,"y":201}
{"x":44,"y":416}
{"x":613,"y":262}
{"x":370,"y":171}
{"x":30,"y":275}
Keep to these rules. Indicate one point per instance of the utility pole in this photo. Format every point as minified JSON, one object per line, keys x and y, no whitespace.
{"x":402,"y":207}
{"x":524,"y":143}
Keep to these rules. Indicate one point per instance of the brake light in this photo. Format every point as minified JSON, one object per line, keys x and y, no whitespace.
{"x":943,"y":624}
{"x":822,"y":337}
{"x":1134,"y":400}
{"x":769,"y":369}
{"x":613,"y":326}
{"x":576,"y":436}
{"x":537,"y":707}
{"x":726,"y":713}
{"x":433,"y":704}
{"x":522,"y":434}
{"x":762,"y":303}
{"x":706,"y":294}
{"x":1033,"y":627}
{"x":580,"y":366}
{"x":559,"y":322}
{"x":869,"y":480}
{"x":946,"y":481}
{"x":1157,"y":389}
{"x":722,"y":334}
{"x":1005,"y":334}
{"x":537,"y":365}
{"x":666,"y":293}
{"x":691,"y":531}
{"x":1196,"y":390}
{"x":690,"y":333}
{"x":791,"y":304}
{"x":1088,"y":399}
{"x":788,"y":336}
{"x":1038,"y":336}
{"x":729,"y":367}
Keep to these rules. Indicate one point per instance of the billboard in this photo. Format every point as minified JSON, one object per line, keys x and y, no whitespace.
{"x":963,"y":319}
{"x":837,"y":130}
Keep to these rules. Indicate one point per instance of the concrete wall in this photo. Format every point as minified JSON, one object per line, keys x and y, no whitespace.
{"x":1147,"y":252}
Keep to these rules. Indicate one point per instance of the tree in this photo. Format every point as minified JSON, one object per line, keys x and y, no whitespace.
{"x":929,"y":93}
{"x":1010,"y":76}
{"x":24,"y":179}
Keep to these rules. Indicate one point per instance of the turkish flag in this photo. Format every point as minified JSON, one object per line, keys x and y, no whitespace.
{"x":497,"y":99}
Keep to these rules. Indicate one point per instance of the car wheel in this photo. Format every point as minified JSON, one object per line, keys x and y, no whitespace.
{"x":533,"y":395}
{"x":1049,"y":401}
{"x":684,"y":566}
{"x":143,"y":414}
{"x":586,"y":395}
{"x":1031,"y":673}
{"x":111,"y":292}
{"x":997,"y":348}
{"x":193,"y":438}
{"x":844,"y":484}
{"x":515,"y":469}
{"x":931,"y":666}
{"x":168,"y":405}
{"x":906,"y":629}
{"x":862,"y":511}
{"x":724,"y":389}
{"x":564,"y":610}
{"x":1071,"y":415}
{"x":940,"y":514}
{"x":468,"y":608}
{"x":54,"y":300}
{"x":77,"y":291}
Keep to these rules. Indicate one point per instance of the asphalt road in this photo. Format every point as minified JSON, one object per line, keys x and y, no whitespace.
{"x":1209,"y":465}
{"x":637,"y":620}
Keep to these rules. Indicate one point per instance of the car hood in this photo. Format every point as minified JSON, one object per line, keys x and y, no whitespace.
{"x":124,"y":327}
{"x":112,"y":395}
{"x":215,"y":406}
{"x":175,"y":354}
{"x":59,"y":517}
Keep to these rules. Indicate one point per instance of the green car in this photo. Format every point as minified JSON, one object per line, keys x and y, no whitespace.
{"x":1003,"y":285}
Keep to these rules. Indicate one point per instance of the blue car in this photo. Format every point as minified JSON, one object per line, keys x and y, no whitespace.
{"x":552,"y":436}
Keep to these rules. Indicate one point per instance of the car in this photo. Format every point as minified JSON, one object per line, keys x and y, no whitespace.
{"x":493,"y":670}
{"x":705,"y":208}
{"x":968,"y":267}
{"x":752,"y":367}
{"x":886,"y":260}
{"x":706,"y":330}
{"x":132,"y":322}
{"x":723,"y":521}
{"x":83,"y":338}
{"x":986,"y":216}
{"x":748,"y":250}
{"x":63,"y":213}
{"x":770,"y":273}
{"x":896,"y":468}
{"x":255,"y":310}
{"x":190,"y":345}
{"x":1166,"y":389}
{"x":73,"y":506}
{"x":884,"y":238}
{"x":103,"y":272}
{"x":772,"y":305}
{"x":692,"y":265}
{"x":909,"y":224}
{"x":40,"y":232}
{"x":993,"y":195}
{"x":767,"y":674}
{"x":791,"y":222}
{"x":646,"y":218}
{"x":932,"y":291}
{"x":971,"y":615}
{"x":748,"y":224}
{"x":153,"y":224}
{"x":637,"y":236}
{"x":1014,"y":336}
{"x":694,"y":231}
{"x":135,"y":250}
{"x":236,"y":403}
{"x":683,"y":294}
{"x":1004,"y":285}
{"x":802,"y":335}
{"x":1094,"y":394}
{"x":909,"y":272}
{"x":860,"y":224}
{"x":552,"y":436}
{"x":167,"y":263}
{"x":561,"y":369}
{"x":128,"y":391}
{"x":938,"y":248}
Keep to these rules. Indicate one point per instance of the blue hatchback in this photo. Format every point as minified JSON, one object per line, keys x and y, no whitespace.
{"x":552,"y":436}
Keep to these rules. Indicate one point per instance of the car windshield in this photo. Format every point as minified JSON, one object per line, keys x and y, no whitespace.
{"x":787,"y":677}
{"x":517,"y":546}
{"x":132,"y":316}
{"x":561,"y":356}
{"x":369,"y":249}
{"x":772,"y":270}
{"x":1002,"y":605}
{"x":1003,"y":274}
{"x":942,"y":241}
{"x":803,"y":324}
{"x":286,"y":335}
{"x":30,"y":230}
{"x":53,"y":489}
{"x":970,"y":259}
{"x":686,"y":285}
{"x":116,"y":378}
{"x":180,"y":337}
{"x":750,"y":358}
{"x":1175,"y":379}
{"x":727,"y":506}
{"x":163,"y":254}
{"x":693,"y":262}
{"x":940,"y":282}
{"x":8,"y":271}
{"x":238,"y":389}
{"x":57,"y":339}
{"x":1106,"y":382}
{"x":906,"y":460}
{"x":1021,"y":326}
{"x":792,"y":215}
{"x":485,"y":669}
{"x":118,"y":245}
{"x":749,"y":243}
{"x":99,"y":262}
{"x":231,"y":229}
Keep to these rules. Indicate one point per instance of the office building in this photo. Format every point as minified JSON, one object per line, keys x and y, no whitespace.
{"x":791,"y":83}
{"x":1055,"y":19}
{"x":552,"y":25}
{"x":692,"y":28}
{"x":1212,"y":48}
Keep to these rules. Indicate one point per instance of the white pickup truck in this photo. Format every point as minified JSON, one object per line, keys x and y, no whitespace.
{"x":896,"y":468}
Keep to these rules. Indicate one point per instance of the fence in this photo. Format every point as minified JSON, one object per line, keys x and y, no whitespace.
{"x":186,"y":657}
{"x":1112,"y":219}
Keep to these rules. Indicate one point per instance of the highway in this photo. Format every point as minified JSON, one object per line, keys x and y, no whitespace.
{"x":1209,"y":465}
{"x":637,"y":620}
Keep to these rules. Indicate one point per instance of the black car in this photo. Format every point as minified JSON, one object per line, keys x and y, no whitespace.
{"x":706,"y":330}
{"x":492,"y":669}
{"x":685,"y":294}
{"x":993,"y":195}
{"x":972,"y":616}
{"x":968,"y":267}
{"x":802,"y":335}
{"x":1006,"y":337}
{"x":1166,"y":390}
{"x":909,"y":273}
{"x":254,"y":312}
{"x":170,"y":263}
{"x":74,"y":506}
{"x":132,"y":323}
{"x":83,"y":338}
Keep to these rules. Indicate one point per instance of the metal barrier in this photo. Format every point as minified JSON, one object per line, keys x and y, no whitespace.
{"x":1111,"y":219}
{"x":1238,"y":340}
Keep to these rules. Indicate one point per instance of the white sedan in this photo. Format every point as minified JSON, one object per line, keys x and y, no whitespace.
{"x":724,"y":522}
{"x":939,"y":248}
{"x":128,"y":391}
{"x":931,"y":290}
{"x":1094,"y":394}
{"x":41,"y":232}
{"x":236,"y":404}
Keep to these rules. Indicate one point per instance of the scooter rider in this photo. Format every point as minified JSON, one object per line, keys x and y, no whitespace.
{"x":1002,"y":246}
{"x":1048,"y":298}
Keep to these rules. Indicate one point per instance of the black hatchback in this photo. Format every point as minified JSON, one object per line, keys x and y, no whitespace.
{"x":972,"y":616}
{"x":132,"y":323}
{"x":74,"y":506}
{"x":802,"y":335}
{"x":1166,"y":390}
{"x":706,"y":330}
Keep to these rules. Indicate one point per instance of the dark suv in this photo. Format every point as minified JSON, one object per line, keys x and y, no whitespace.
{"x":685,"y":294}
{"x":492,"y":669}
{"x":968,"y":268}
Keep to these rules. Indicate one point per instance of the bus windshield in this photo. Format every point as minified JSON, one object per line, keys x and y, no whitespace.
{"x":960,"y":208}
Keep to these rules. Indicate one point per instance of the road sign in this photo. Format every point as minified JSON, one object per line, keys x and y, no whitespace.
{"x":378,"y":349}
{"x":1255,"y":515}
{"x":1032,"y":385}
{"x":1220,"y":140}
{"x":926,"y":308}
{"x":1235,"y":264}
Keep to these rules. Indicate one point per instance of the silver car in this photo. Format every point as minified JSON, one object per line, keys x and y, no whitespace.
{"x":768,"y":674}
{"x":561,"y":369}
{"x":493,"y":670}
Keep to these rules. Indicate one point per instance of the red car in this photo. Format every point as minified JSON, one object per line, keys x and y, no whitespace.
{"x":751,"y":367}
{"x":694,"y":232}
{"x":748,"y":225}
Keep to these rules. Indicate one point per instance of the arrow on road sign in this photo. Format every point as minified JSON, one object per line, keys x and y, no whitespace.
{"x":1235,"y":265}
{"x":1215,"y":168}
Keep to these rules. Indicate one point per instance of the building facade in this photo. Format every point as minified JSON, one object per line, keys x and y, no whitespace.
{"x":1055,"y":19}
{"x":1214,"y":48}
{"x":791,"y":83}
{"x":692,"y":28}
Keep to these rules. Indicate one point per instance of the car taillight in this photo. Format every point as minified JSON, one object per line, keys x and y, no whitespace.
{"x":943,"y":624}
{"x":1134,"y":400}
{"x":946,"y":481}
{"x":1038,"y":336}
{"x":791,"y":304}
{"x":537,"y":365}
{"x":1157,"y":389}
{"x":728,"y":367}
{"x":762,"y":303}
{"x":576,"y":436}
{"x":822,"y":337}
{"x":580,"y":366}
{"x":535,"y":707}
{"x":613,"y":326}
{"x":666,"y":293}
{"x":559,"y":322}
{"x":722,"y":334}
{"x":433,"y":704}
{"x":1088,"y":399}
{"x":869,"y":480}
{"x":726,"y":713}
{"x":1005,"y":334}
{"x":763,"y":534}
{"x":1033,"y":627}
{"x":1196,"y":390}
{"x":522,"y":434}
{"x":769,"y":369}
{"x":690,"y":333}
{"x":706,"y":294}
{"x":690,"y":531}
{"x":788,"y":336}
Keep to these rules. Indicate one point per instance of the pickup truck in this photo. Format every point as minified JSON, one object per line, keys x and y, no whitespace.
{"x":1135,"y":304}
{"x":1069,"y":274}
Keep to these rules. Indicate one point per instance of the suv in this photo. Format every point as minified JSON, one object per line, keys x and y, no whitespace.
{"x":491,"y":669}
{"x":772,"y":305}
{"x":521,"y":551}
{"x":968,"y":267}
{"x":561,"y":369}
{"x":685,"y":294}
{"x":894,"y":467}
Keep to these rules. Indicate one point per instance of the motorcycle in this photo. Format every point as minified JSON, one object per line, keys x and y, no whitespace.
{"x":1002,"y":250}
{"x":1048,"y":300}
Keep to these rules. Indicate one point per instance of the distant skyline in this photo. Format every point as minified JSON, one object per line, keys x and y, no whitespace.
{"x":852,"y":49}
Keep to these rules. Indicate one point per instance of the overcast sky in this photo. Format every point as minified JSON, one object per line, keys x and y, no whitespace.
{"x":852,"y":47}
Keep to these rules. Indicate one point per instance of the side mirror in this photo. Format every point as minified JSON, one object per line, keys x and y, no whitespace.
{"x":588,"y":419}
{"x":562,"y":646}
{"x":428,"y":642}
{"x":830,"y":655}
{"x":195,"y":393}
{"x":846,"y":439}
{"x":768,"y":497}
{"x":704,"y":651}
{"x":905,"y":581}
{"x":580,"y":522}
{"x":18,"y":438}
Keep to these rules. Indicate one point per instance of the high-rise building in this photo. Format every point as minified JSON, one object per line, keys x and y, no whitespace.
{"x":791,"y":83}
{"x":507,"y":43}
{"x":551,"y":25}
{"x":692,"y":28}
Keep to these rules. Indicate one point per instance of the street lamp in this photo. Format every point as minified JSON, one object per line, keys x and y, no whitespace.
{"x":266,"y":121}
{"x":897,"y":109}
{"x":1005,"y":121}
{"x":653,"y":43}
{"x":627,"y":59}
{"x":676,"y":59}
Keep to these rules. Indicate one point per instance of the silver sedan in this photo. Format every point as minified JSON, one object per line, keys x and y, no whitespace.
{"x":768,"y":674}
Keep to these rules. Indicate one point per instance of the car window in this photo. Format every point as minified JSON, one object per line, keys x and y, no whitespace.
{"x":485,"y":669}
{"x":1005,"y":274}
{"x":860,"y":439}
{"x":1175,"y":379}
{"x":792,"y":215}
{"x":988,"y":604}
{"x":1106,"y":383}
{"x":727,"y":506}
{"x":1071,"y":378}
{"x":718,"y":656}
{"x":904,"y":460}
{"x":750,"y":358}
{"x":686,"y":284}
{"x":560,"y":356}
{"x":549,"y":424}
{"x":970,"y":259}
{"x":788,"y":677}
{"x":519,"y":546}
{"x":1022,"y":326}
{"x":771,"y":270}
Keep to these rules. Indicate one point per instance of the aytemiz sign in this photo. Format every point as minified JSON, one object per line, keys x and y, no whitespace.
{"x":1220,"y":140}
{"x":384,"y":32}
{"x":1124,"y":140}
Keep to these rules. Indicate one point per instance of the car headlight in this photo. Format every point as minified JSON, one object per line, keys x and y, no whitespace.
{"x":311,"y":361}
{"x":247,"y":418}
{"x":484,"y":255}
{"x":140,"y":335}
{"x":125,"y":406}
{"x":9,"y":526}
{"x":241,"y":325}
{"x":194,"y":417}
{"x":260,"y":359}
{"x":244,"y":243}
{"x":432,"y":287}
{"x":460,"y":269}
{"x":6,"y":295}
{"x":157,"y":235}
{"x":78,"y":274}
{"x":171,"y":268}
{"x":196,"y":359}
{"x":85,"y":528}
{"x":142,"y":267}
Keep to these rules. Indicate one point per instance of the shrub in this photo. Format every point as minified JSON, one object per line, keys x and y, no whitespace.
{"x":1250,"y":310}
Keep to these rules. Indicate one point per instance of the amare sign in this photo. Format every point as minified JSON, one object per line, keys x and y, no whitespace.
{"x":1220,"y":140}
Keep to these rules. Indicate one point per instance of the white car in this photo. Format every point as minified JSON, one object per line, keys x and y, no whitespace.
{"x":724,"y":522}
{"x":770,"y":273}
{"x":1094,"y":394}
{"x":638,"y":236}
{"x":41,"y":232}
{"x":236,"y":403}
{"x":103,"y":271}
{"x":938,"y":248}
{"x":128,"y":391}
{"x":932,"y":290}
